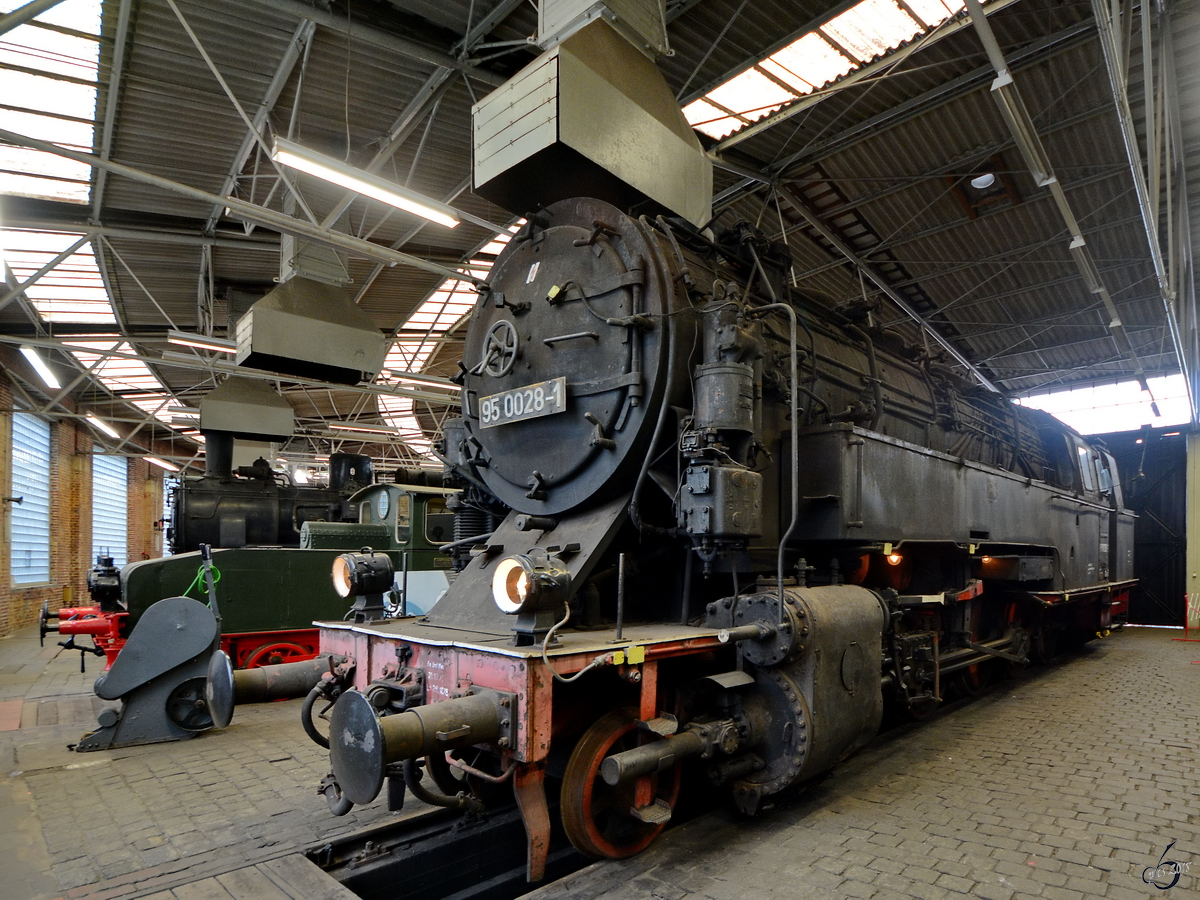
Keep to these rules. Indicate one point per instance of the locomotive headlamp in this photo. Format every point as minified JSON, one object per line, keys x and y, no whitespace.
{"x":524,"y":584}
{"x":355,"y":574}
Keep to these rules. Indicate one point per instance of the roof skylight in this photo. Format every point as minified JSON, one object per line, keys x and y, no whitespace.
{"x":871,"y":28}
{"x":866,"y":31}
{"x":72,"y":291}
{"x":48,"y":86}
{"x":129,"y":379}
{"x":1124,"y":406}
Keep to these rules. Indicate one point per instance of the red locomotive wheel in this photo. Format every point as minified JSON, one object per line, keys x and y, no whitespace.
{"x":596,"y":816}
{"x":1045,"y":645}
{"x":274,"y":654}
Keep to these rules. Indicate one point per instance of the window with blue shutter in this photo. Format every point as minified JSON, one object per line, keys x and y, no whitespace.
{"x":30,"y":519}
{"x":110,"y":505}
{"x":168,"y":512}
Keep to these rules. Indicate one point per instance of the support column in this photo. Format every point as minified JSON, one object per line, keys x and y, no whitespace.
{"x":1192,"y":581}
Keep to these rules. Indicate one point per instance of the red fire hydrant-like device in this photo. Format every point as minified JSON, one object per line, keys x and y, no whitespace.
{"x":105,"y":622}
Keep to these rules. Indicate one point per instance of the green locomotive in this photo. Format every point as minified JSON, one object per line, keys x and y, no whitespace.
{"x":270,"y":596}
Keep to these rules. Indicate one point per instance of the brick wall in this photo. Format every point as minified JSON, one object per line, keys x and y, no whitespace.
{"x":145,"y":510}
{"x":71,"y":512}
{"x":69,"y":500}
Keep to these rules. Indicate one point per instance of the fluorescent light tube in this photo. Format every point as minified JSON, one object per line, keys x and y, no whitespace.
{"x":219,"y":345}
{"x":370,"y":429}
{"x":103,"y":426}
{"x":430,"y":380}
{"x":294,"y":156}
{"x":161,"y":463}
{"x":43,"y":370}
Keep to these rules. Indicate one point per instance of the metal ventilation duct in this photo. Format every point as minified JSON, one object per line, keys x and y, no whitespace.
{"x":313,"y":330}
{"x":642,"y":22}
{"x":590,"y":117}
{"x":247,"y":408}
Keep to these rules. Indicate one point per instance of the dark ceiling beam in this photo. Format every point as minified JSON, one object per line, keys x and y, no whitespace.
{"x":762,"y":53}
{"x":797,"y":201}
{"x":26,"y":13}
{"x":385,"y":39}
{"x":207,"y":366}
{"x":1030,"y":55}
{"x":959,"y":165}
{"x":680,"y":7}
{"x":1102,"y":335}
{"x":1005,"y":257}
{"x":1059,"y":320}
{"x":1011,"y":105}
{"x":883,"y":65}
{"x":1044,"y":285}
{"x":428,"y":96}
{"x":54,"y":215}
{"x":1001,"y":256}
{"x":111,"y":96}
{"x":1036,"y":52}
{"x":296,"y":50}
{"x":269,"y":218}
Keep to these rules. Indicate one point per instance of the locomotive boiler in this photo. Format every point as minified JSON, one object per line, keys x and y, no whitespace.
{"x":254,"y":505}
{"x":742,"y":523}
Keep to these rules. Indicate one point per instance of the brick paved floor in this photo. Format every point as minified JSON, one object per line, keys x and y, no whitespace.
{"x":1065,"y":784}
{"x":135,"y":818}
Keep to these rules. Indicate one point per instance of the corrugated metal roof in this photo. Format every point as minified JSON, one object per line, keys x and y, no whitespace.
{"x":888,"y":157}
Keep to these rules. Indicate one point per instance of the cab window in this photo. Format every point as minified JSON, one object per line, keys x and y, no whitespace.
{"x":1059,"y":466}
{"x":439,"y":521}
{"x":1085,"y":467}
{"x":1109,"y":475}
{"x":403,"y":507}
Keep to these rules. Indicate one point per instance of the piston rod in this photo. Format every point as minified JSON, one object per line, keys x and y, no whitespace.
{"x":652,"y":757}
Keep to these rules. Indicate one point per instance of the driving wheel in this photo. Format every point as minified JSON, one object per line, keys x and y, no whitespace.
{"x":275,"y":654}
{"x":598,"y":818}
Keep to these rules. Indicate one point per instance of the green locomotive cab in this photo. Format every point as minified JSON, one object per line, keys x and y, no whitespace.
{"x":270,"y":596}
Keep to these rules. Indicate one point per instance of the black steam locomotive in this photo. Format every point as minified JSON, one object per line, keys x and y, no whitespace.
{"x":254,"y":505}
{"x":742,"y":524}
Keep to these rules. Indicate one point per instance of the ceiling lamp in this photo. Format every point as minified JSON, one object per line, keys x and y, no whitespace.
{"x":218,"y":345}
{"x":161,"y":463}
{"x":42,"y":369}
{"x":293,"y":155}
{"x":102,"y":426}
{"x":983,"y":182}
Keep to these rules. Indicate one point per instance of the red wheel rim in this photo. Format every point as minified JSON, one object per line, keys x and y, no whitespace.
{"x":274,"y":654}
{"x":596,"y":816}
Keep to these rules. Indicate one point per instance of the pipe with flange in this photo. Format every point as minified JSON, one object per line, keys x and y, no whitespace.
{"x":228,"y":688}
{"x":363,"y":745}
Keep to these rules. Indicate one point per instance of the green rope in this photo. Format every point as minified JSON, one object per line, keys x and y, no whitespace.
{"x":199,"y":575}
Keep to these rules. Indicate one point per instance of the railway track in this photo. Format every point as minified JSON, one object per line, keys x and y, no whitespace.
{"x":441,"y":855}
